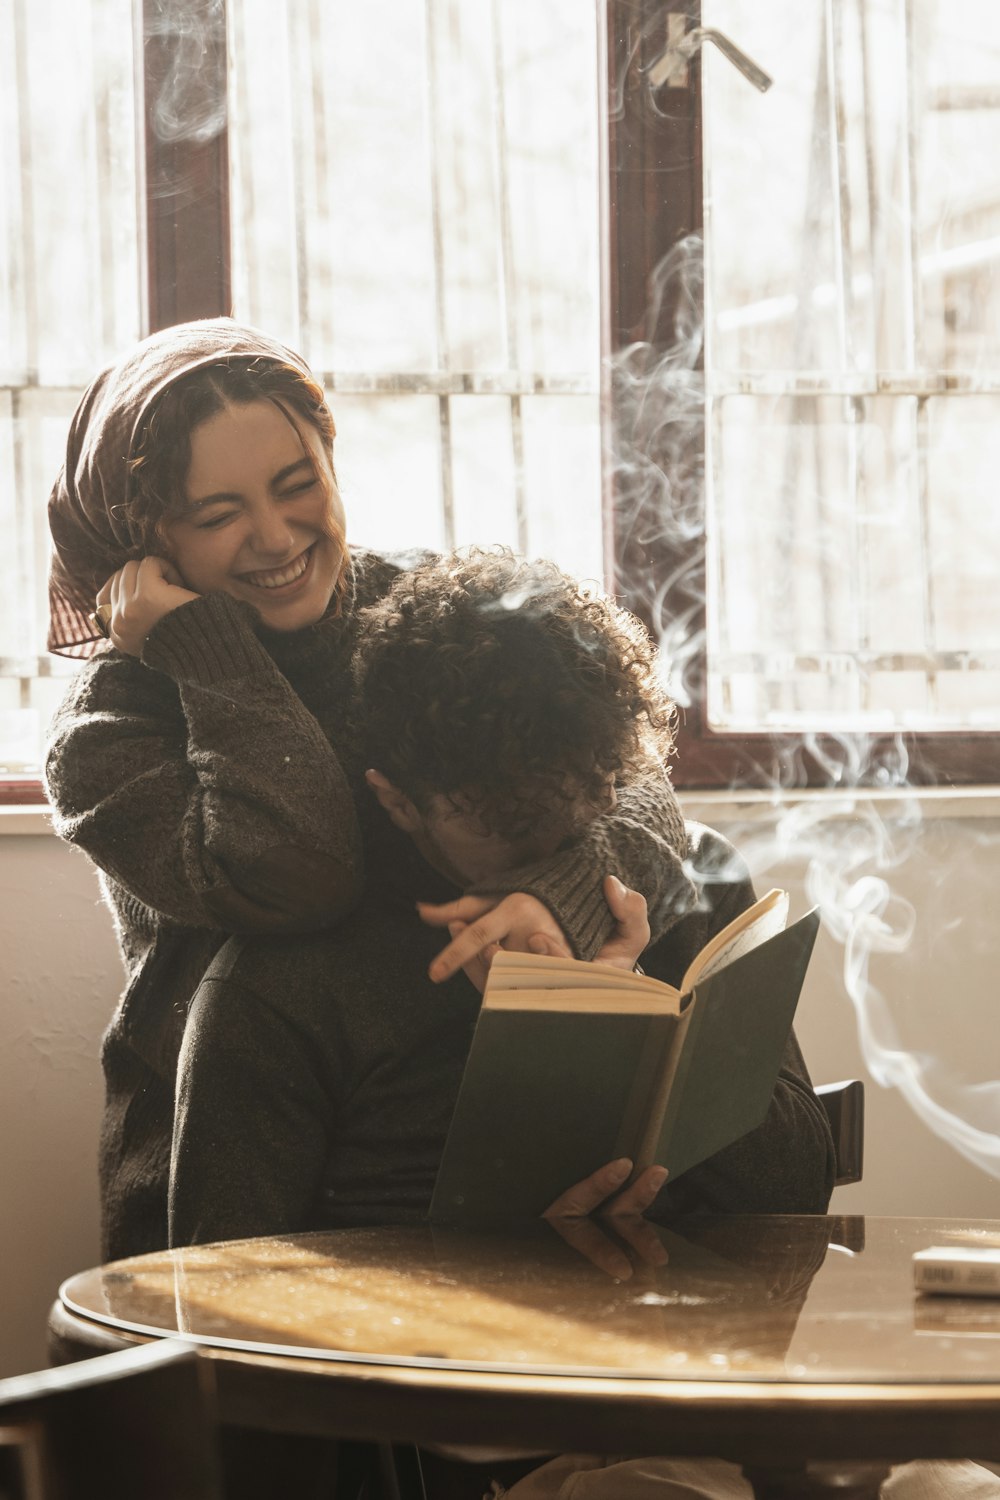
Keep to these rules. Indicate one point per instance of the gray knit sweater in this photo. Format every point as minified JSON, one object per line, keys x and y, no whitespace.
{"x":217,"y":785}
{"x":316,"y":1086}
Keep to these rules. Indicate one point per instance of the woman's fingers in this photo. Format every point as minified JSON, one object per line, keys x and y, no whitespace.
{"x":511,"y":922}
{"x":140,"y":594}
{"x":466,"y":909}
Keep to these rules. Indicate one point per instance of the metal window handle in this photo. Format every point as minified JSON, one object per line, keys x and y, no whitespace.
{"x":678,"y":54}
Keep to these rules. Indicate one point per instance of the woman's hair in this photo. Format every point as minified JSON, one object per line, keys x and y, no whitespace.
{"x":509,"y":683}
{"x":161,"y":449}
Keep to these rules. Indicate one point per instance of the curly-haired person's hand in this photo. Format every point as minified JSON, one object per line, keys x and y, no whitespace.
{"x":479,"y":925}
{"x":615,"y":1196}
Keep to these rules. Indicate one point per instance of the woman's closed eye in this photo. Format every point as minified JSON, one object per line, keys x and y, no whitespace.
{"x":212,"y":521}
{"x":301,"y":488}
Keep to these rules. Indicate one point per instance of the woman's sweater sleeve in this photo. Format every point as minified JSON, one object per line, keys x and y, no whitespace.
{"x":200,"y":784}
{"x":643,"y":841}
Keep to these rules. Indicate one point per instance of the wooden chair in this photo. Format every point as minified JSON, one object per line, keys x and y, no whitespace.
{"x":845,"y":1109}
{"x":139,"y":1422}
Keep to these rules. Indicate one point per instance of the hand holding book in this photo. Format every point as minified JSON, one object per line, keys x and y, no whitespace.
{"x":576,"y":1064}
{"x":613,"y":1195}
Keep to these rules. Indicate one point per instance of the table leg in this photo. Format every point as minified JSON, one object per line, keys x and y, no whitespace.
{"x":848,"y":1481}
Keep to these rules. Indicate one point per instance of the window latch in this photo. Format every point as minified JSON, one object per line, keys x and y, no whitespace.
{"x":671,"y":68}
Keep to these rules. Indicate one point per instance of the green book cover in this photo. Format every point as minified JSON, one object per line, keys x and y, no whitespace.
{"x":607,"y":1064}
{"x":729,"y":1054}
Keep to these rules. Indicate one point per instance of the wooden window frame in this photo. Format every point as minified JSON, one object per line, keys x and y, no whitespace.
{"x":183,"y":204}
{"x":652,"y":183}
{"x":651,"y":199}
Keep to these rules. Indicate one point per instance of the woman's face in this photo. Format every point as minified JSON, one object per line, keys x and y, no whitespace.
{"x":261,"y":495}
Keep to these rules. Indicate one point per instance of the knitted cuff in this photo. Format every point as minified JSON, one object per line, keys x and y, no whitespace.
{"x":569,"y":892}
{"x":207,"y":640}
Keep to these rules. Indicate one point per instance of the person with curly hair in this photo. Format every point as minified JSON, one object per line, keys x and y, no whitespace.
{"x":504,"y":709}
{"x":206,"y":756}
{"x":507,"y":693}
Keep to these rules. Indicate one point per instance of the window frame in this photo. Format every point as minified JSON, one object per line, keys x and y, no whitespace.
{"x":184,"y":235}
{"x":641,"y":222}
{"x":186,"y":274}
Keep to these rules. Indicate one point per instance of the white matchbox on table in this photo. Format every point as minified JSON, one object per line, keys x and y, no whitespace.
{"x":958,"y":1270}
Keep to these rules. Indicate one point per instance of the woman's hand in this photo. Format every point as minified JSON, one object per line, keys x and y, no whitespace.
{"x":630,"y":938}
{"x":608,"y":1195}
{"x":622,"y":949}
{"x":479,"y":925}
{"x":139,"y":595}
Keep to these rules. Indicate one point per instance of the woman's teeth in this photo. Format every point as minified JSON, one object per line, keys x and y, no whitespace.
{"x":276,"y":578}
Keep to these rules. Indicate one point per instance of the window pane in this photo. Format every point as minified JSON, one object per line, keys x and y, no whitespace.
{"x":853,"y":365}
{"x":418,"y":212}
{"x":69,"y":297}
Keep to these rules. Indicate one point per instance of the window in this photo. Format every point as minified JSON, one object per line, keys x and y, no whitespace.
{"x":800,"y":318}
{"x":415,"y":212}
{"x":69,"y":299}
{"x":809,"y":433}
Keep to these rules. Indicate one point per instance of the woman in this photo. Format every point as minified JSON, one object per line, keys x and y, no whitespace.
{"x":205,"y":757}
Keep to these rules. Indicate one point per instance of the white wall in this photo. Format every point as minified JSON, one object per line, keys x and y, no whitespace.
{"x":62,"y":976}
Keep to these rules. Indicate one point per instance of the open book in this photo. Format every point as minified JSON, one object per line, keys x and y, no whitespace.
{"x":575,"y":1064}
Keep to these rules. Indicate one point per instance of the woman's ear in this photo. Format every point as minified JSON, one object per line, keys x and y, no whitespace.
{"x":396,"y":803}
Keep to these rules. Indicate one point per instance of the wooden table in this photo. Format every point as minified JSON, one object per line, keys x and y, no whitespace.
{"x":778,"y":1342}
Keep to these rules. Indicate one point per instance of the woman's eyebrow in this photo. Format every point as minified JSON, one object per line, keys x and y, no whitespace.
{"x":276,"y":479}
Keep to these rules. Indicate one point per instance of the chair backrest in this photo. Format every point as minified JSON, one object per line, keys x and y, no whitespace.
{"x":845,"y":1109}
{"x":139,"y":1422}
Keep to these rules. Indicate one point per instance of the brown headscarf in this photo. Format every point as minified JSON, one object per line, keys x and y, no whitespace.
{"x":91,"y":538}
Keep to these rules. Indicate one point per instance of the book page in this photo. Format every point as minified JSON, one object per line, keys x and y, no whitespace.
{"x":765,"y":919}
{"x":537,"y":971}
{"x":595,"y":999}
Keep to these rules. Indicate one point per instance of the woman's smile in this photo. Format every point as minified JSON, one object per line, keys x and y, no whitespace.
{"x":284,"y":577}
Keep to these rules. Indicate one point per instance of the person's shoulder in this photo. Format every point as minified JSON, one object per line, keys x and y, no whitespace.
{"x":713,"y":859}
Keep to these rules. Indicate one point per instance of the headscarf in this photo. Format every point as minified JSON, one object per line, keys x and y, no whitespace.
{"x":91,"y":537}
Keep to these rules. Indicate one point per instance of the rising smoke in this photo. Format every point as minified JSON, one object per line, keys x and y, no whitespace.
{"x":897,"y":892}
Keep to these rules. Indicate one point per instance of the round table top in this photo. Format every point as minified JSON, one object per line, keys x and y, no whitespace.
{"x":786,"y":1299}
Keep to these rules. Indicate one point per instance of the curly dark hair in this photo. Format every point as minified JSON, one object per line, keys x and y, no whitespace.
{"x":161,"y":451}
{"x":507,"y":683}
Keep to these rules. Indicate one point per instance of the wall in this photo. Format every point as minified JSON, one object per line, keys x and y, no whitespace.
{"x":62,"y":977}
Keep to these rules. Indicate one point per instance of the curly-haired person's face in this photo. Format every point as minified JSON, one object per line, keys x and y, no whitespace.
{"x":262,"y":501}
{"x":453,"y":839}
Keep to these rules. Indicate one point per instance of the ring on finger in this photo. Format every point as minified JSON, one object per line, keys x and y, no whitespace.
{"x":100,"y":619}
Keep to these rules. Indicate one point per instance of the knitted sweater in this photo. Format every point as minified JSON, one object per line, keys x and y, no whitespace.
{"x":217,"y":785}
{"x":316,"y":1087}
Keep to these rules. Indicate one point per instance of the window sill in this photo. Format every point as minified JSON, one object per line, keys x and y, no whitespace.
{"x":715,"y":807}
{"x":26,"y":818}
{"x":760,"y":806}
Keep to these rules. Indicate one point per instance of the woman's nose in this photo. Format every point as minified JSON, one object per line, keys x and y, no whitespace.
{"x":271,"y":535}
